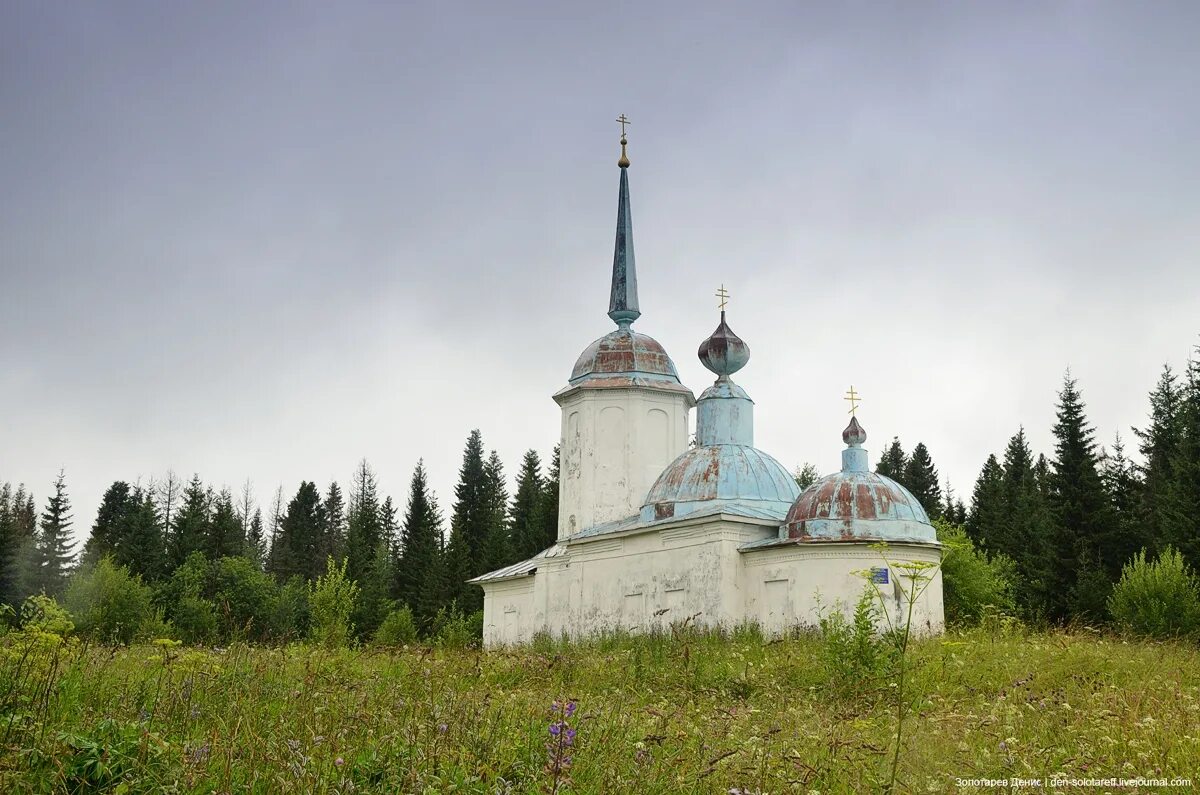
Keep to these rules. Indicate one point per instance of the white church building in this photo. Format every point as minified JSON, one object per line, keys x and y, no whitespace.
{"x":654,"y":531}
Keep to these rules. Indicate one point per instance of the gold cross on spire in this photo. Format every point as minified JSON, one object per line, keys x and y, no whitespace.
{"x":723,"y":294}
{"x":623,"y":121}
{"x":853,"y":398}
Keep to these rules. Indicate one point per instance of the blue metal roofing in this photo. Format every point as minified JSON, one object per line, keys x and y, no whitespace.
{"x":732,"y":473}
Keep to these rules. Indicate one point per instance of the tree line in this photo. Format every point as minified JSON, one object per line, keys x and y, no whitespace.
{"x":1071,"y":521}
{"x":184,"y":538}
{"x":1065,"y":524}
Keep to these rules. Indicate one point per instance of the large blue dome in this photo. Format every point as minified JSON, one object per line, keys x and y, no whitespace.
{"x":721,"y":472}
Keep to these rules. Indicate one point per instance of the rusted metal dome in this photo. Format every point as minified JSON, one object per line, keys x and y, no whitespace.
{"x":856,"y":504}
{"x":852,"y":506}
{"x":624,"y":353}
{"x":724,"y":352}
{"x":729,"y":472}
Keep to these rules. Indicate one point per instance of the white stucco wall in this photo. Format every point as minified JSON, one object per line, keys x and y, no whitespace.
{"x":791,"y":585}
{"x":615,"y":442}
{"x":691,"y":569}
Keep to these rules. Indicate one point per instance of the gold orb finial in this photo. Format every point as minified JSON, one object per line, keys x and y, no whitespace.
{"x":624,"y":161}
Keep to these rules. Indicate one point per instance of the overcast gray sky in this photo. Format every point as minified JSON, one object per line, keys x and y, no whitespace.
{"x":265,"y":240}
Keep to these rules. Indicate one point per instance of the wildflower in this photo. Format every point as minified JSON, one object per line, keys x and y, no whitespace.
{"x":339,"y":762}
{"x":442,"y":728}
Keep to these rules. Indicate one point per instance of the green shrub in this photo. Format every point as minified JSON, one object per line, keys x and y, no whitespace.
{"x":398,"y":629}
{"x":41,"y":613}
{"x":244,"y":598}
{"x":973,"y":584}
{"x":331,"y":603}
{"x":111,"y":605}
{"x":194,"y":620}
{"x":290,"y":618}
{"x":854,"y":654}
{"x":192,"y":616}
{"x":453,"y":630}
{"x":1159,"y":599}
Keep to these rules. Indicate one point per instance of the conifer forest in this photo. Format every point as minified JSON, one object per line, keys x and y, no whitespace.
{"x":1058,"y":525}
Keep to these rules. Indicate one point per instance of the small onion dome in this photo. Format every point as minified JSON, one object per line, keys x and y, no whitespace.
{"x":624,"y":353}
{"x":857,"y":505}
{"x":724,"y":352}
{"x":854,"y":435}
{"x":726,"y":472}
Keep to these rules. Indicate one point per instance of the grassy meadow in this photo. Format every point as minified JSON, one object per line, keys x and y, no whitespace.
{"x":689,"y":713}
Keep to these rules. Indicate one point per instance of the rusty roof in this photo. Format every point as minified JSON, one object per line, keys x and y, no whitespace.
{"x":728,"y":472}
{"x":625,"y":352}
{"x":857,"y":505}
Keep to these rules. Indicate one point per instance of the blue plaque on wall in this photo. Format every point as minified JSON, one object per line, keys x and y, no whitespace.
{"x":879,"y":576}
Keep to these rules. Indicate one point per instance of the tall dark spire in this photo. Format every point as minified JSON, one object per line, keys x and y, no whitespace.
{"x":623,"y":302}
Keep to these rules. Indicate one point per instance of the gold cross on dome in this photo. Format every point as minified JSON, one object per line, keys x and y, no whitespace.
{"x":853,"y":398}
{"x":723,"y":294}
{"x":623,"y":121}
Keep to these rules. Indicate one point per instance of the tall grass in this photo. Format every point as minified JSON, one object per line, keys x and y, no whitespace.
{"x":681,"y":712}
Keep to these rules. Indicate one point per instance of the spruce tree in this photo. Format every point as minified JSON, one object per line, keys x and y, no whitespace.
{"x":224,"y":537}
{"x":1180,"y":506}
{"x":189,"y":523}
{"x":140,"y":548}
{"x":9,"y":542}
{"x":437,"y":591}
{"x":1085,"y":536}
{"x":293,"y":551}
{"x":373,"y":600}
{"x":421,"y":545}
{"x":364,"y":525}
{"x":893,"y":461}
{"x":16,"y":577}
{"x":953,"y":510}
{"x":498,"y":546}
{"x":453,"y":572}
{"x":524,"y":515}
{"x":471,"y":525}
{"x":333,"y":512}
{"x":921,"y":478}
{"x":1157,"y":444}
{"x":986,"y":524}
{"x":1025,"y":531}
{"x":548,"y":506}
{"x":256,"y":542}
{"x":52,"y":549}
{"x":389,"y":528}
{"x":1124,"y":494}
{"x":116,"y":507}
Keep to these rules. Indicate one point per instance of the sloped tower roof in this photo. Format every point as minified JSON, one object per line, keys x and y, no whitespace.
{"x":623,"y":357}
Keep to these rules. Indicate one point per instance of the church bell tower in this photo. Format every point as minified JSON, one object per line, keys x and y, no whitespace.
{"x":624,"y":411}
